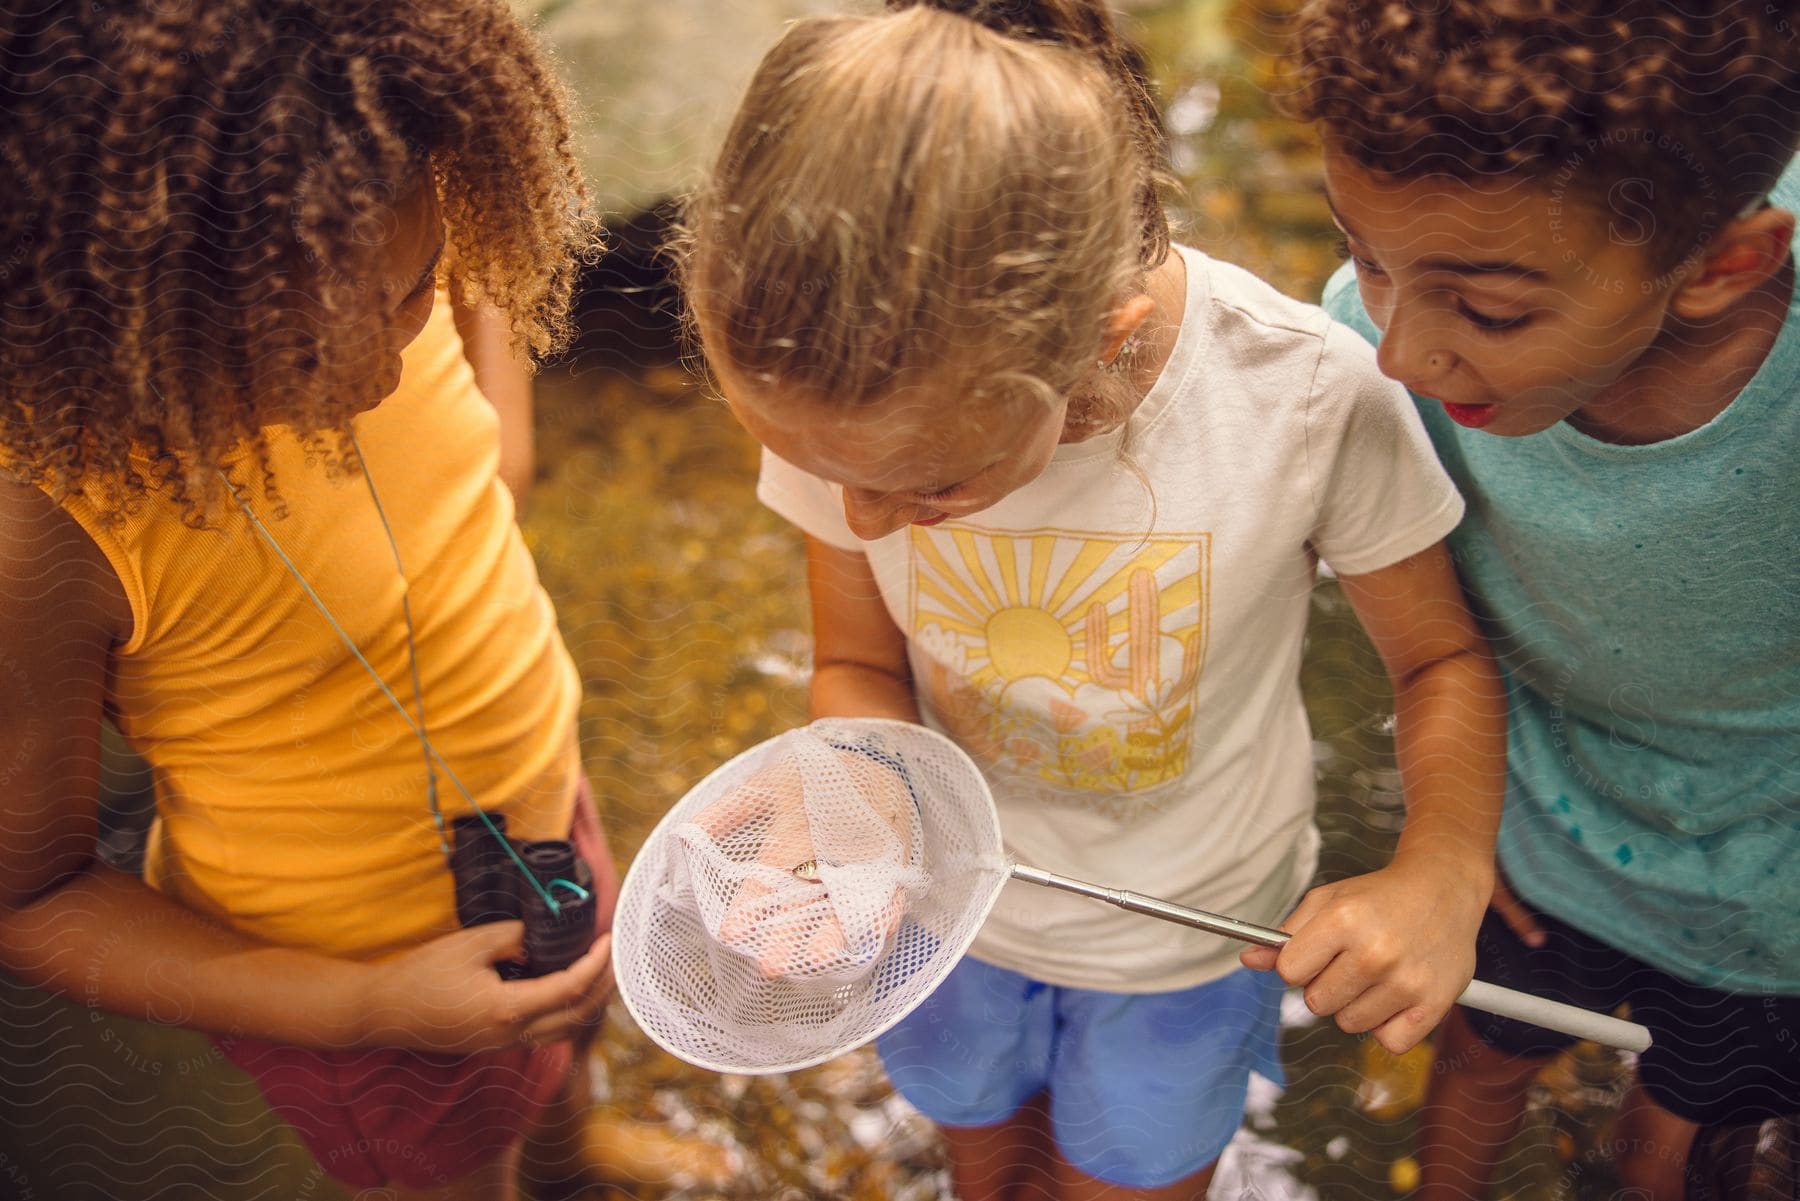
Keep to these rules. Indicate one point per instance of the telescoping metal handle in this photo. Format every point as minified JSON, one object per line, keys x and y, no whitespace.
{"x":1490,"y":998}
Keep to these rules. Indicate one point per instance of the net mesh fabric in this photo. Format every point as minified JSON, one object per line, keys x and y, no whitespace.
{"x":731,"y":960}
{"x":808,"y":866}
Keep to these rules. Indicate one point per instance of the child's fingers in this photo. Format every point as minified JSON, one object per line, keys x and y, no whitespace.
{"x":1331,"y":988}
{"x":775,"y":954}
{"x":812,"y":949}
{"x":790,"y":948}
{"x":744,"y":912}
{"x":566,"y":1022}
{"x":605,"y":984}
{"x":584,"y":1009}
{"x":720,"y":819}
{"x":761,"y":924}
{"x":828,"y":946}
{"x":1336,"y":960}
{"x":885,"y":791}
{"x":1259,"y":959}
{"x":1315,"y":943}
{"x":585,"y":973}
{"x":793,"y":949}
{"x":768,"y":805}
{"x":1388,"y":999}
{"x":532,"y":999}
{"x":496,"y":942}
{"x":557,"y":1025}
{"x":1408,"y":1028}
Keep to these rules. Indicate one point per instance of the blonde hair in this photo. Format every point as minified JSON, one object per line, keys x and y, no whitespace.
{"x":959,"y":192}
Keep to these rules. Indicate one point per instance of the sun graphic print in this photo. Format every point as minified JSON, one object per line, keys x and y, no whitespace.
{"x":1064,"y":659}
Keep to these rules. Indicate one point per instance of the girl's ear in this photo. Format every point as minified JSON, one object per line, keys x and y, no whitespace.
{"x":1124,"y":323}
{"x":1746,"y":254}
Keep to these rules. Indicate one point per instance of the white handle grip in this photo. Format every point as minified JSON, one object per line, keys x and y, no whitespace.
{"x":1554,"y":1015}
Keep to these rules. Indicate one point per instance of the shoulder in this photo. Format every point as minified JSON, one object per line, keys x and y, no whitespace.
{"x":52,"y":570}
{"x":1254,"y":322}
{"x":808,"y":502}
{"x":1252,"y":305}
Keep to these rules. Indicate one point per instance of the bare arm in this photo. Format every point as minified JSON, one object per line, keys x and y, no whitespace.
{"x":68,"y":922}
{"x":504,"y":377}
{"x":1390,"y":951}
{"x":859,"y":655}
{"x":73,"y":925}
{"x":1449,"y":707}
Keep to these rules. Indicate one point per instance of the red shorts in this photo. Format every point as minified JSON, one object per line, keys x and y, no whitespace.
{"x":417,"y":1119}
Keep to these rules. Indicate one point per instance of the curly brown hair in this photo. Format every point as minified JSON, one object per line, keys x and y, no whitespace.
{"x":1698,"y":103}
{"x":193,"y":191}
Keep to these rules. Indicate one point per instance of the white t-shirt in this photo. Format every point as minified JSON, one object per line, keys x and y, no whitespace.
{"x":1119,"y":649}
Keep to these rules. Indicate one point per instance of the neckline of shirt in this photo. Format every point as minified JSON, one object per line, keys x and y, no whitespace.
{"x":1183,"y":356}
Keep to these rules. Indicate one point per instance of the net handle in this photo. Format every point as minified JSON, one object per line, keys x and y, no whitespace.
{"x":1489,"y":998}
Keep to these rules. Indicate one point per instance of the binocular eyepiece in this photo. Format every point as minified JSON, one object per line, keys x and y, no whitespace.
{"x":490,"y":888}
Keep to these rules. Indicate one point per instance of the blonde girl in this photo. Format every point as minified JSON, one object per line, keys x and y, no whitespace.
{"x":1065,"y":490}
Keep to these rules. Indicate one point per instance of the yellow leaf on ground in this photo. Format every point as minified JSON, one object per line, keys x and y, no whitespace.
{"x":1393,"y":1085}
{"x":1403,"y":1175}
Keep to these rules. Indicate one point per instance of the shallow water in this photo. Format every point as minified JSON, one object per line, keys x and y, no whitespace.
{"x":680,"y":600}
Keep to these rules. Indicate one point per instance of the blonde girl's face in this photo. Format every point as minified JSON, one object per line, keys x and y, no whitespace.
{"x":921,"y":458}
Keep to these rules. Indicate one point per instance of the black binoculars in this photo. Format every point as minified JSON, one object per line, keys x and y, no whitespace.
{"x":490,"y":888}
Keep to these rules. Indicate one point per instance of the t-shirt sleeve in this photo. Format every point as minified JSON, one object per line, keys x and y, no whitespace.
{"x":806,"y":500}
{"x":1377,"y":487}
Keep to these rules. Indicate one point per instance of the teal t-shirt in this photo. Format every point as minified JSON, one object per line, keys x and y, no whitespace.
{"x":1645,"y":605}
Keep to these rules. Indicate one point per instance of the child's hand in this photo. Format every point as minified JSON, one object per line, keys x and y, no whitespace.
{"x":790,"y":922}
{"x":1388,"y":952}
{"x":446,"y":996}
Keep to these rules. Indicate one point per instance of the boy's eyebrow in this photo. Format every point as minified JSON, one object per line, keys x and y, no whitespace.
{"x":1454,"y":266}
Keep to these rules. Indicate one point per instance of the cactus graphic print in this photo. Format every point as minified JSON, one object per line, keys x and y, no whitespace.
{"x":1069,"y":659}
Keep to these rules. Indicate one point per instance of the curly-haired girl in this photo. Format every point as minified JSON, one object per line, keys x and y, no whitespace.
{"x":254,"y":513}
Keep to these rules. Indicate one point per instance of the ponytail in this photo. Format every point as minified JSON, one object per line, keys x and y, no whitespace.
{"x":1086,"y":26}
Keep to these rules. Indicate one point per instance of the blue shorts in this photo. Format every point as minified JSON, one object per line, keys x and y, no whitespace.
{"x":1145,"y":1089}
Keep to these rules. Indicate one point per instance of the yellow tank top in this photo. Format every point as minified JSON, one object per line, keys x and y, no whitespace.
{"x":291,"y":797}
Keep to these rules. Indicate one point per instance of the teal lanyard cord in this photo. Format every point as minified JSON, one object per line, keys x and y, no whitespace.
{"x":418,"y":728}
{"x":412,"y":657}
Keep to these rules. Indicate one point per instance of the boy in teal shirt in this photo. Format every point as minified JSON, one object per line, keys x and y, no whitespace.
{"x":1571,"y":231}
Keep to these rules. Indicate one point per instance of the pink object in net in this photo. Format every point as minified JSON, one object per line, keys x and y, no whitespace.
{"x":732,"y":960}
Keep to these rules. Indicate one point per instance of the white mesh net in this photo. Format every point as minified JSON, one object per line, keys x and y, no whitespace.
{"x":808,"y":894}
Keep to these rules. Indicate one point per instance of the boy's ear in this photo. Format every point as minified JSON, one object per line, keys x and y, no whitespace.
{"x":1744,"y":255}
{"x":1125,"y":321}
